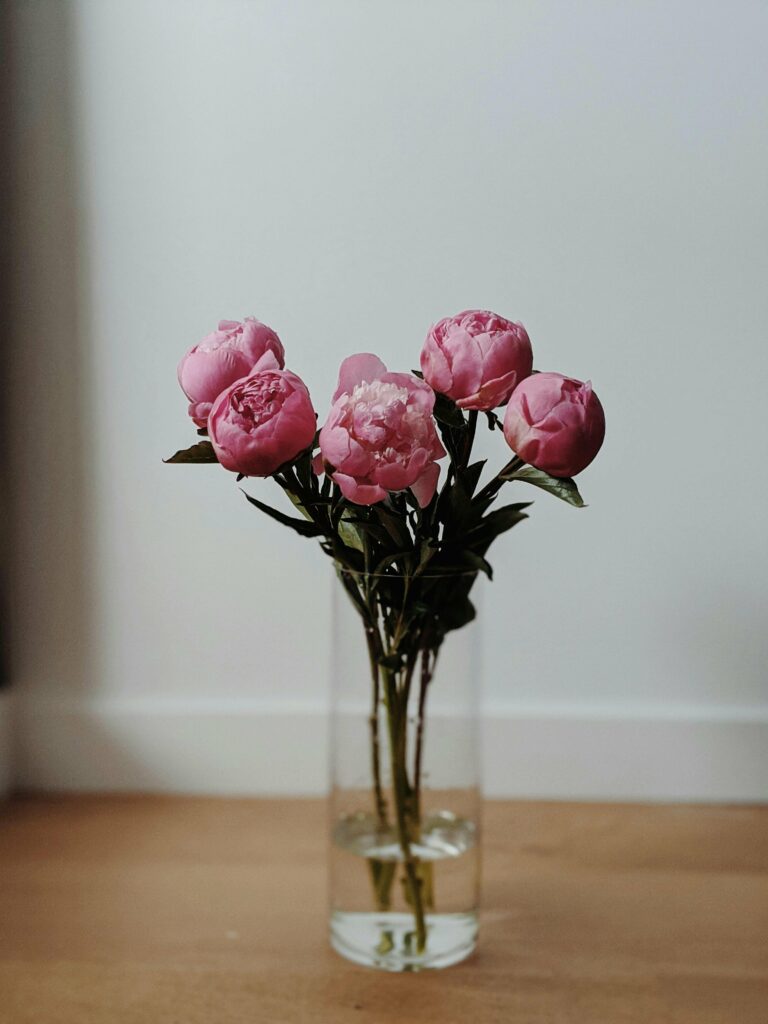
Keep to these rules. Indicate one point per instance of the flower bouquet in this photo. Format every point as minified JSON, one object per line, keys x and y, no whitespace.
{"x":389,"y":488}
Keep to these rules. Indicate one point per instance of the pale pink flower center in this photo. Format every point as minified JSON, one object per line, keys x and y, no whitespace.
{"x":259,"y":400}
{"x":377,"y":416}
{"x":220,"y":339}
{"x":473,"y":324}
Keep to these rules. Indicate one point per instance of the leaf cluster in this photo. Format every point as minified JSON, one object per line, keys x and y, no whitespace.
{"x":409,"y":571}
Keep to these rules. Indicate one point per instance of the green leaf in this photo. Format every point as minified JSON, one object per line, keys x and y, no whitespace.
{"x":562,"y":487}
{"x":299,"y":525}
{"x":455,"y":509}
{"x":447,"y":412}
{"x":372,"y":529}
{"x":299,"y":502}
{"x":394,"y":662}
{"x":200,"y":452}
{"x":482,"y":503}
{"x":471,"y":475}
{"x":496,"y":522}
{"x":304,"y":471}
{"x":472,"y":559}
{"x":395,"y":525}
{"x":427,"y":553}
{"x":385,"y":563}
{"x":350,"y":534}
{"x":457,"y":614}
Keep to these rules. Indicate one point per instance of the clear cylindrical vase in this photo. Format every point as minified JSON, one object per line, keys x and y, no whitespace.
{"x":405,"y":798}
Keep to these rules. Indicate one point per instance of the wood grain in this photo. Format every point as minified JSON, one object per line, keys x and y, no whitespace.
{"x":142,"y":910}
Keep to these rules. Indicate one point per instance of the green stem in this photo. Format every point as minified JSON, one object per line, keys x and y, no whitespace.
{"x":397,"y":720}
{"x":426,"y":677}
{"x":496,"y":484}
{"x":379,"y":801}
{"x":397,"y":635}
{"x":470,"y":438}
{"x":371,"y":636}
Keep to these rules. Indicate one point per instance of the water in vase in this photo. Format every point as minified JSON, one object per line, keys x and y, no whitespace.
{"x":368,"y":869}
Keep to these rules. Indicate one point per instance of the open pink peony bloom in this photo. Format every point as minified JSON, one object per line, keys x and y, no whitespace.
{"x":380,"y":435}
{"x":262,"y":422}
{"x":224,"y":356}
{"x":476,"y":358}
{"x":555,"y":423}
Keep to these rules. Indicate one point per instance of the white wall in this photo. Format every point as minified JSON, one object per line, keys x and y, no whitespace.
{"x":349,"y":172}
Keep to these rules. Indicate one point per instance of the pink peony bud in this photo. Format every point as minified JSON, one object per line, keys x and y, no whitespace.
{"x":223,"y":357}
{"x":262,"y":422}
{"x":476,"y":358}
{"x":555,"y":423}
{"x":380,"y":435}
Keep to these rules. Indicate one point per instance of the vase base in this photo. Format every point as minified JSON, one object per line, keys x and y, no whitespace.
{"x":386,"y":940}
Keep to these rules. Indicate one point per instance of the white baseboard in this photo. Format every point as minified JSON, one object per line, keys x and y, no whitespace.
{"x":251,"y":747}
{"x":6,"y":768}
{"x":628,"y":754}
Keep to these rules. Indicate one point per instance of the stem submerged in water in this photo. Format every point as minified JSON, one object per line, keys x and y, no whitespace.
{"x":427,"y":668}
{"x":385,"y":633}
{"x":380,"y":802}
{"x":397,"y":719}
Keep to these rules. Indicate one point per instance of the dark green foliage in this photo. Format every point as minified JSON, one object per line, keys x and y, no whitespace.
{"x":200,"y":452}
{"x":409,"y":571}
{"x":562,"y":487}
{"x":301,"y":526}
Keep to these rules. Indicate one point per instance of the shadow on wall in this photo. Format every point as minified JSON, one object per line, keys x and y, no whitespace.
{"x":5,"y":298}
{"x":46,"y":377}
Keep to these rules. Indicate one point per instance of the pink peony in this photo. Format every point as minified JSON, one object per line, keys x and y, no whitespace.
{"x":223,"y":357}
{"x":476,"y":358}
{"x":555,"y":423}
{"x":262,"y":422}
{"x":380,"y":435}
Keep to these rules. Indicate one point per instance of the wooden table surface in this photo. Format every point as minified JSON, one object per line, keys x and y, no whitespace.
{"x":150,"y":910}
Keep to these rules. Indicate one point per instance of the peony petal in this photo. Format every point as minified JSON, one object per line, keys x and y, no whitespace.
{"x":437,"y":451}
{"x":199,"y":412}
{"x":492,"y":394}
{"x":394,"y":476}
{"x":204,"y":375}
{"x":268,"y":361}
{"x":466,"y":361}
{"x":419,"y":393}
{"x":425,"y":487}
{"x":364,"y":366}
{"x":357,"y":492}
{"x":334,"y":443}
{"x":435,"y":366}
{"x":358,"y":461}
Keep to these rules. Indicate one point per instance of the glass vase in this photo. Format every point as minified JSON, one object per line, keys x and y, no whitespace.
{"x":405,"y":799}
